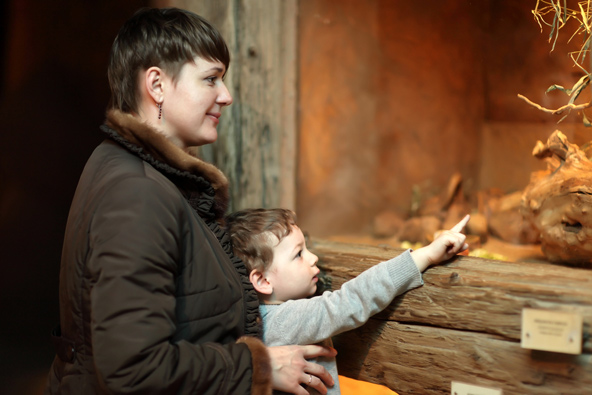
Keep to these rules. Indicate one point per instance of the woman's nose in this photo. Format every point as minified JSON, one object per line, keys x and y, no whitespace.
{"x":224,"y":98}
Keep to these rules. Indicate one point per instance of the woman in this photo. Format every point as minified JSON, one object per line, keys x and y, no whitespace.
{"x":151,"y":298}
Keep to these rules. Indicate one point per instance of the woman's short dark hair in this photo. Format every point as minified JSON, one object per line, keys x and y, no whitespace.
{"x":167,"y":38}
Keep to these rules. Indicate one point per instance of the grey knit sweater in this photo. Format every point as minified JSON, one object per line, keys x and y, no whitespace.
{"x":315,"y":320}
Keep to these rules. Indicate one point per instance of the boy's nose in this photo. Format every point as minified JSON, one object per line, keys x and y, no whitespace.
{"x":314,"y":259}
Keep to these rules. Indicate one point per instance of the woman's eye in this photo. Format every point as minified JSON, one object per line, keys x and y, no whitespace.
{"x":211,"y":80}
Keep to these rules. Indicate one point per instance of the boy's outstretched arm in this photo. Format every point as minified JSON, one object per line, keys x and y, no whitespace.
{"x":445,"y":246}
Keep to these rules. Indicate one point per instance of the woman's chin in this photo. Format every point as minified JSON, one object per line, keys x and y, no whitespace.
{"x":204,"y":140}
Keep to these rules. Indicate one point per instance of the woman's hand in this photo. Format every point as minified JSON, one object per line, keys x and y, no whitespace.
{"x":445,"y":246}
{"x":289,"y":368}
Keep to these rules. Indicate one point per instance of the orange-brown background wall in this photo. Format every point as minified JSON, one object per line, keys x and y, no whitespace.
{"x":397,"y":94}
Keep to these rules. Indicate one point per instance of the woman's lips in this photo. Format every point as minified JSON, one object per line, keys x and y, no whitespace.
{"x":214,"y":116}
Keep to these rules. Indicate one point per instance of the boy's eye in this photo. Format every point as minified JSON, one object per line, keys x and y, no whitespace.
{"x":298,"y":255}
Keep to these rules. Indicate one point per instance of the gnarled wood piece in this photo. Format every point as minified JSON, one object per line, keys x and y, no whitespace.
{"x":559,"y":202}
{"x":437,"y":205}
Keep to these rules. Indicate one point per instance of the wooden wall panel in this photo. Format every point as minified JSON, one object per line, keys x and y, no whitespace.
{"x":256,"y":146}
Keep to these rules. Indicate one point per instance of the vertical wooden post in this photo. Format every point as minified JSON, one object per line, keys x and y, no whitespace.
{"x":256,"y":146}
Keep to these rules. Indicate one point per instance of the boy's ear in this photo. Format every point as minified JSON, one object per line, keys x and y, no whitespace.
{"x":260,"y":283}
{"x":153,"y":83}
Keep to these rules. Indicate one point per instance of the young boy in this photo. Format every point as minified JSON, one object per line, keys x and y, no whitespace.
{"x":284,"y":274}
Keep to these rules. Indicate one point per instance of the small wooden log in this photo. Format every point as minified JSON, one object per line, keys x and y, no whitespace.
{"x":387,"y":224}
{"x":438,"y":205}
{"x":419,"y":229}
{"x":507,"y":223}
{"x":464,"y":324}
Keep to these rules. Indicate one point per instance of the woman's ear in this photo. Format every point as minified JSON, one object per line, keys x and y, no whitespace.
{"x":260,"y":283}
{"x":153,"y":83}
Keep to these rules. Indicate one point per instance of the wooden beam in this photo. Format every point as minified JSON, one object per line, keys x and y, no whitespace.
{"x":417,"y":359}
{"x":463,"y":324}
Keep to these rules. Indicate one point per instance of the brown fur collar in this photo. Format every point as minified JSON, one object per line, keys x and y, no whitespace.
{"x":162,"y":149}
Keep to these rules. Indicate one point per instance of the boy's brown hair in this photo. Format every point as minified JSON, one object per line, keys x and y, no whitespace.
{"x":252,"y":233}
{"x":166,"y":38}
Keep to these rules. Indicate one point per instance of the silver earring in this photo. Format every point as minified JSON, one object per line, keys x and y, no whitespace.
{"x":159,"y":110}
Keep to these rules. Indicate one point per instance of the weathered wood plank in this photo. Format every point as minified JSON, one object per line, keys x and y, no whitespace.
{"x":464,"y":324}
{"x":257,"y":134}
{"x":416,"y":359}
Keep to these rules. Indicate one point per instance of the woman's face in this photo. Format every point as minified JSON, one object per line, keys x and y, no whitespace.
{"x":192,"y":104}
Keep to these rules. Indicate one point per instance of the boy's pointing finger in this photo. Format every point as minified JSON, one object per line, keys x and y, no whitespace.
{"x":463,"y":222}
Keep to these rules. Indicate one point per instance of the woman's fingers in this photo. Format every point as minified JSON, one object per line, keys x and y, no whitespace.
{"x":313,"y":351}
{"x":317,"y":384}
{"x":290,"y":368}
{"x":300,"y":391}
{"x":318,"y":377}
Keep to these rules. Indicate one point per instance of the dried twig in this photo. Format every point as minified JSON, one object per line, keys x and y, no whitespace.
{"x":561,"y":14}
{"x":569,"y":106}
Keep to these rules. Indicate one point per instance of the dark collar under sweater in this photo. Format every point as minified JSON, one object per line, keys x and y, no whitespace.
{"x":154,"y":147}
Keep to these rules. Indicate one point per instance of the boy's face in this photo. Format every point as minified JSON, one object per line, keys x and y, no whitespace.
{"x":293,"y":273}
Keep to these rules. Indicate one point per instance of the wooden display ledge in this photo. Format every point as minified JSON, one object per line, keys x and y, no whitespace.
{"x":463,"y":325}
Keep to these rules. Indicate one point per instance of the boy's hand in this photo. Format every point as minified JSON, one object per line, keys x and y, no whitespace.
{"x":447,"y":244}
